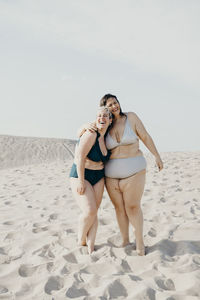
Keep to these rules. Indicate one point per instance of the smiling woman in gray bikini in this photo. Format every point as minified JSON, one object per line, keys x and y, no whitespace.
{"x":126,"y":169}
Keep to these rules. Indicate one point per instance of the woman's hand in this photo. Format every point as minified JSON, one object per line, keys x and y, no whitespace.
{"x":91,"y":127}
{"x":159,"y":163}
{"x":81,"y":187}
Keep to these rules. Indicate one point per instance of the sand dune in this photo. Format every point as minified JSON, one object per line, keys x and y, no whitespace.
{"x":39,"y":258}
{"x":17,"y":151}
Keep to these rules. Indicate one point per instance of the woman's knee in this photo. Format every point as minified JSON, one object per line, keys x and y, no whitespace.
{"x":133,"y":208}
{"x":91,"y":211}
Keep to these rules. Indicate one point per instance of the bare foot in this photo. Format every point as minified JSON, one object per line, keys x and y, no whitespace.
{"x":90,"y":248}
{"x":82,"y":243}
{"x":141,"y":251}
{"x":125,"y":243}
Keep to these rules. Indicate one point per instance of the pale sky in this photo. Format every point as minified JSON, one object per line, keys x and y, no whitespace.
{"x":59,"y":57}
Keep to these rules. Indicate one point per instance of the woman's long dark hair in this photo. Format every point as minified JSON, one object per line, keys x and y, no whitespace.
{"x":103,"y":102}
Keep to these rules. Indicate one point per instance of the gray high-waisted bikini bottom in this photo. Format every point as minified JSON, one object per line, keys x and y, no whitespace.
{"x":124,"y":167}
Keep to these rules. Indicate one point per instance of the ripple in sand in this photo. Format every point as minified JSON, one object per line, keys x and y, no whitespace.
{"x":101,"y":269}
{"x":25,"y":290}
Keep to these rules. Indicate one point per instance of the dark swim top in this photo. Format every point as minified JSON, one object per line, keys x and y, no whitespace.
{"x":95,"y":153}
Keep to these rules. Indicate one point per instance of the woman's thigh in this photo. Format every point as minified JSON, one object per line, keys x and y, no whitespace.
{"x":98,"y":190}
{"x":112,"y":186}
{"x":87,"y":201}
{"x":132,"y":188}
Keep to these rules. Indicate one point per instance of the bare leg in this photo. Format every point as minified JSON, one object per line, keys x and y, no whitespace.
{"x":98,"y":190}
{"x":132,"y":188}
{"x":88,"y":206}
{"x":112,"y":186}
{"x":92,"y":235}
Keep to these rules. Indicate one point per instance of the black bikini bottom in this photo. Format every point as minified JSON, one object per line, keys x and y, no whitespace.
{"x":93,"y":176}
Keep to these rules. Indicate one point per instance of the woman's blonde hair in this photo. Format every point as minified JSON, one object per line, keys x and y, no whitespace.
{"x":100,"y":108}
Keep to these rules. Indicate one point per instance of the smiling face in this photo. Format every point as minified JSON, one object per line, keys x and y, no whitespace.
{"x":103,"y":119}
{"x":113,"y":105}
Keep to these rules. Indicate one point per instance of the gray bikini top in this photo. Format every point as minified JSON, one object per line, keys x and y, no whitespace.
{"x":129,"y":137}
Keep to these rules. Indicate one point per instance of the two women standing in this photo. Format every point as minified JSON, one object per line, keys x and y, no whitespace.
{"x":125,"y":170}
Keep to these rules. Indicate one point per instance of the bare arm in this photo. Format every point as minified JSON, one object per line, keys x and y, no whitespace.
{"x":146,"y":139}
{"x":81,"y":130}
{"x":87,"y":126}
{"x":85,"y":144}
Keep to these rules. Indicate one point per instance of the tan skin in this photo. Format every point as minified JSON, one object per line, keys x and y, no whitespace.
{"x":126,"y":193}
{"x":89,"y":196}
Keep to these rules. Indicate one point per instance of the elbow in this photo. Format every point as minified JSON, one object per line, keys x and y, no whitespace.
{"x":146,"y":138}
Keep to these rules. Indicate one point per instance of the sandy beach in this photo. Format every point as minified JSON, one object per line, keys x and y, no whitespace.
{"x":39,"y":256}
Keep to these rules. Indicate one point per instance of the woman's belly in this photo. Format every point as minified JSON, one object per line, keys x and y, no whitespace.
{"x":125,"y":161}
{"x":125,"y":151}
{"x":124,"y":167}
{"x":91,"y":165}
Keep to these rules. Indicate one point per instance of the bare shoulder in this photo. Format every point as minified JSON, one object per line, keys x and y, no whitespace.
{"x":89,"y":136}
{"x":132,"y":116}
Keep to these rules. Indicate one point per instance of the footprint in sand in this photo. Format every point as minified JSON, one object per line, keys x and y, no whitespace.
{"x":7,"y":202}
{"x":135,"y":278}
{"x":152,"y":232}
{"x":165,"y":284}
{"x":70,"y":231}
{"x":103,"y":221}
{"x":27,"y":270}
{"x":50,"y":266}
{"x":3,"y":290}
{"x":74,"y":292}
{"x":36,"y":230}
{"x":53,"y":217}
{"x":64,"y":271}
{"x":162,"y":199}
{"x":42,"y":251}
{"x":54,"y":283}
{"x":115,"y":290}
{"x":192,"y":210}
{"x":71,"y":258}
{"x":196,"y":260}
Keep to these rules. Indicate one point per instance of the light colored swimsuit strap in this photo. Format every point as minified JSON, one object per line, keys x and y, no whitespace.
{"x":128,"y":137}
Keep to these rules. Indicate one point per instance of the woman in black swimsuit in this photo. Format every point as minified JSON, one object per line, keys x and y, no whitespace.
{"x":87,"y":177}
